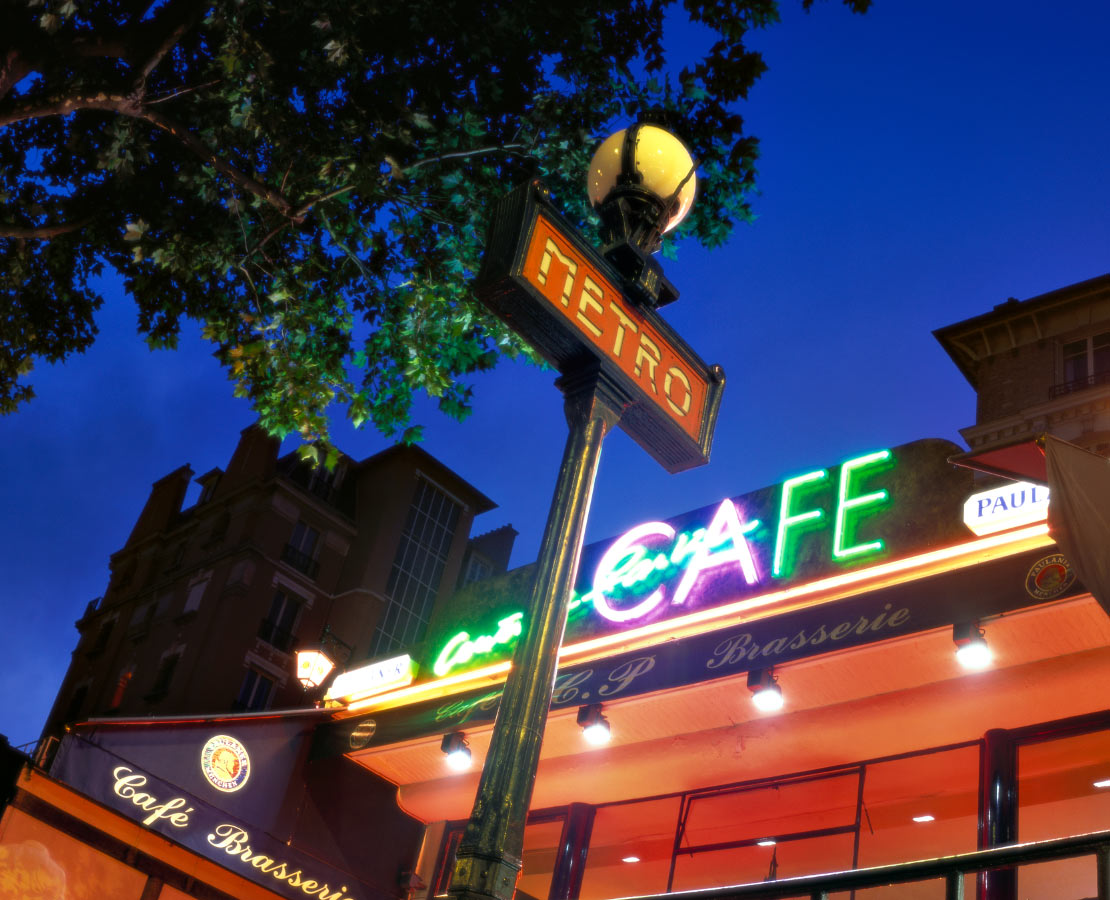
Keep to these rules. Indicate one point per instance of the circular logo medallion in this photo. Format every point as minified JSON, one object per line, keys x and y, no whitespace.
{"x":363,"y":734}
{"x":1049,"y":577}
{"x":225,"y":763}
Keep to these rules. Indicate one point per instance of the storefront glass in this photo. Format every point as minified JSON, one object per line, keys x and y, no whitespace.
{"x":38,"y":862}
{"x":1058,"y":795}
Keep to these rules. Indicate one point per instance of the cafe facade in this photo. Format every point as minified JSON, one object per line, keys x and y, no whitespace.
{"x":846,"y":589}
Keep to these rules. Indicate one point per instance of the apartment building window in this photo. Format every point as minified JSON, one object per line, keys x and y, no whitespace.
{"x":164,"y":677}
{"x":1085,"y":362}
{"x":417,"y":569}
{"x":276,"y":629}
{"x":255,"y":691}
{"x":300,"y":552}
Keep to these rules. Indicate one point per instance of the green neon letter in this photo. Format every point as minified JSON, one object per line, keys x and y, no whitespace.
{"x":789,"y":520}
{"x":846,"y":504}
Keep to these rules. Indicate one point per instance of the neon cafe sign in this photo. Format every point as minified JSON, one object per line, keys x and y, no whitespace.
{"x":654,"y":569}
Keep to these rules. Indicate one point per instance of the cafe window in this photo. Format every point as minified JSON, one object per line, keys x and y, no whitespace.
{"x":1063,"y":789}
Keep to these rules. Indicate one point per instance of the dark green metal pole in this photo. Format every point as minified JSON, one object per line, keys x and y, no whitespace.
{"x":489,"y":856}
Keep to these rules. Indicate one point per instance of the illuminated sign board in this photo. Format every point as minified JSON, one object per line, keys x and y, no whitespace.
{"x":561,"y":296}
{"x":812,"y":525}
{"x":374,"y":677}
{"x":1009,"y":506}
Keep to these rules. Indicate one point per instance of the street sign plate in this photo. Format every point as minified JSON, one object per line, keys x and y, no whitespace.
{"x":562,"y":297}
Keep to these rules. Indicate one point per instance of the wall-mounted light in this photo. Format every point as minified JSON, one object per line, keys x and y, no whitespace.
{"x":315,"y":662}
{"x":972,"y":651}
{"x":766,"y":693}
{"x":1105,"y":783}
{"x":630,"y":859}
{"x":924,"y":818}
{"x":458,"y":753}
{"x":766,"y":842}
{"x":313,"y":666}
{"x":595,"y":727}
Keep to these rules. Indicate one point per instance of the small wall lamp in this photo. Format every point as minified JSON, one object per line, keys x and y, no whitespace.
{"x":595,"y":727}
{"x":457,"y":751}
{"x":766,"y":693}
{"x":972,"y":651}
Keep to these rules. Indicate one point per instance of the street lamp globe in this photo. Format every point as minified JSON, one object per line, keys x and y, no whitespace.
{"x":641,"y":181}
{"x":649,"y":163}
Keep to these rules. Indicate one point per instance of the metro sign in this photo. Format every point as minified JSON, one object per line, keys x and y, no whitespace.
{"x":561,"y":296}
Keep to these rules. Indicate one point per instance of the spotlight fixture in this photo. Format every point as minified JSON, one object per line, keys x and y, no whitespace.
{"x":766,"y":693}
{"x":595,"y":727}
{"x":924,"y":818}
{"x":1105,"y":783}
{"x":458,"y":752}
{"x":630,"y":859}
{"x":766,"y":842}
{"x":972,"y":651}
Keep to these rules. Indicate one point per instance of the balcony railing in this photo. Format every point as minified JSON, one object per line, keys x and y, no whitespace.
{"x":275,"y":636}
{"x":950,"y":868}
{"x":1079,"y":384}
{"x":300,"y":561}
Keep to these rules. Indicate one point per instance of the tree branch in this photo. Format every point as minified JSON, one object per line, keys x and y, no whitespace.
{"x":462,"y":154}
{"x":42,"y":232}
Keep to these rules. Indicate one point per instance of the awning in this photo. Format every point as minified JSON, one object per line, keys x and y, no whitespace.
{"x":1079,"y":512}
{"x":1023,"y":461}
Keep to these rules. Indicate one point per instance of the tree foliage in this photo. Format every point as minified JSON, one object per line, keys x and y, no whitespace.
{"x":310,"y":181}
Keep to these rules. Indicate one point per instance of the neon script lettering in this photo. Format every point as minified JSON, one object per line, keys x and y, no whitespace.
{"x":461,"y":649}
{"x":653,"y":565}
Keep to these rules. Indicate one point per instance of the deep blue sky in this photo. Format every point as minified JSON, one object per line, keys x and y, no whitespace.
{"x":919,"y":165}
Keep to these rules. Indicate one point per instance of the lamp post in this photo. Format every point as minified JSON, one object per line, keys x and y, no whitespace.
{"x":593,"y":318}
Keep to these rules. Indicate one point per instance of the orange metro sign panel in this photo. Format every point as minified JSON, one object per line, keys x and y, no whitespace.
{"x":599,"y":311}
{"x":563,"y":297}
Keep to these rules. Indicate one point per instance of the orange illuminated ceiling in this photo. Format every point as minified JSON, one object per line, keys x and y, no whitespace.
{"x":1051,"y":661}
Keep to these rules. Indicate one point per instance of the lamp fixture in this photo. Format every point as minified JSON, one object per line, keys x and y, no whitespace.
{"x":925,"y":818}
{"x":316,"y":661}
{"x":595,"y":727}
{"x":630,"y":859}
{"x":972,"y":651}
{"x":766,"y":693}
{"x":766,"y":842}
{"x":457,"y":751}
{"x":641,"y":181}
{"x":313,"y":666}
{"x":1105,"y":783}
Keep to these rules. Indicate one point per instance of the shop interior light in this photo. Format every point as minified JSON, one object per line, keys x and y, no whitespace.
{"x":1105,"y":783}
{"x":595,"y":727}
{"x":766,"y":693}
{"x":925,"y":818}
{"x":972,"y":651}
{"x":766,"y":842}
{"x":458,"y":753}
{"x":630,"y":859}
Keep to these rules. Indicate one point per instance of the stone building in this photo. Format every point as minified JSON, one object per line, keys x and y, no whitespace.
{"x":206,"y":605}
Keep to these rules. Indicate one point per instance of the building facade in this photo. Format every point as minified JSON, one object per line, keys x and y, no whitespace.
{"x":206,"y":605}
{"x":851,"y":590}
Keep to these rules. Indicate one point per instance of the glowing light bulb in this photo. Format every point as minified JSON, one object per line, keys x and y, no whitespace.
{"x":768,"y":699}
{"x":597,"y":733}
{"x":459,"y":759}
{"x":974,"y":654}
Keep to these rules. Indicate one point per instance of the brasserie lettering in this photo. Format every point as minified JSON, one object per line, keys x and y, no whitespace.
{"x":740,"y":648}
{"x":233,"y":840}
